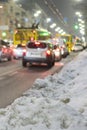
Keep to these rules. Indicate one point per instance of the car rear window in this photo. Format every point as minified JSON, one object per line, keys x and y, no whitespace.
{"x":36,"y":45}
{"x":20,"y":46}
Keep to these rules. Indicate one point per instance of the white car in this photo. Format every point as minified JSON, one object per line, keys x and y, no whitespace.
{"x":57,"y":52}
{"x":18,"y":51}
{"x":39,"y":52}
{"x":78,"y":47}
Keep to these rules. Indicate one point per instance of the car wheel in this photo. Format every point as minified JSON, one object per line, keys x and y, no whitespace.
{"x":53,"y":63}
{"x":24,"y":63}
{"x":9,"y":58}
{"x":50,"y":64}
{"x":60,"y":57}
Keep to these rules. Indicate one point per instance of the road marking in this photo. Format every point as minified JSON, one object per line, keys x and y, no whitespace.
{"x":8,"y":73}
{"x":11,"y":74}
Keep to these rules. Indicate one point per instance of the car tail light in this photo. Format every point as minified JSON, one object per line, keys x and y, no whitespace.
{"x":24,"y":52}
{"x":48,"y":52}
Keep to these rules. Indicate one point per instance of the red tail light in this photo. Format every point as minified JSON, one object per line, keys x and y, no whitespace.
{"x":24,"y":52}
{"x":48,"y":52}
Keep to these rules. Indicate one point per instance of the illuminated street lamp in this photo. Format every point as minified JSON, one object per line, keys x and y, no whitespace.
{"x":53,"y":25}
{"x":78,"y":14}
{"x":1,"y":6}
{"x":48,"y":20}
{"x":57,"y":29}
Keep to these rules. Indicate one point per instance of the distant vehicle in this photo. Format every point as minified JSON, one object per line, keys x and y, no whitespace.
{"x":57,"y":52}
{"x":5,"y":52}
{"x":64,"y":50}
{"x":23,"y":35}
{"x":38,"y":52}
{"x":84,"y":44}
{"x":68,"y":40}
{"x":78,"y":46}
{"x":18,"y":51}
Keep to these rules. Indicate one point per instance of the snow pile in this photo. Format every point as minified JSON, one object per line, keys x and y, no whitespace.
{"x":58,"y":102}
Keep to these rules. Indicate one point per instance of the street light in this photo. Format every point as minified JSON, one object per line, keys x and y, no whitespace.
{"x":53,"y":25}
{"x":48,"y":20}
{"x":1,"y":6}
{"x":78,"y":14}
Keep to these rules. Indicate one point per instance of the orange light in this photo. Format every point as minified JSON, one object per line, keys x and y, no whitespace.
{"x":34,"y":31}
{"x":16,"y":31}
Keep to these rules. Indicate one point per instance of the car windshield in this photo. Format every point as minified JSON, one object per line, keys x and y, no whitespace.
{"x":37,"y":45}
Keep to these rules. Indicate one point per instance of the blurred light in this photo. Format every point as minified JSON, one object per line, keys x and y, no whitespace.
{"x":80,"y":20}
{"x":4,"y":34}
{"x":81,"y":25}
{"x":36,"y":15}
{"x":19,"y":25}
{"x":60,"y":31}
{"x":63,"y":33}
{"x":76,"y":26}
{"x":1,"y":6}
{"x":78,"y":14}
{"x":48,"y":20}
{"x":53,"y":25}
{"x":82,"y":32}
{"x":57,"y":29}
{"x":38,"y":12}
{"x":82,"y":29}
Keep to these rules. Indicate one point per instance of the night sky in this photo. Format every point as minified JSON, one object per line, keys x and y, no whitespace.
{"x":66,"y":8}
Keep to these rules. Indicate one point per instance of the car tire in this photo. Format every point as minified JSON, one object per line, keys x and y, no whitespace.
{"x":50,"y":64}
{"x":9,"y":58}
{"x":24,"y":63}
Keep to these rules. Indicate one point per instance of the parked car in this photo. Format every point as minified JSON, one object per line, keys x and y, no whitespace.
{"x":84,"y":44}
{"x":39,"y":52}
{"x":57,"y":52}
{"x":18,"y":51}
{"x":64,"y":50}
{"x":5,"y":53}
{"x":78,"y":46}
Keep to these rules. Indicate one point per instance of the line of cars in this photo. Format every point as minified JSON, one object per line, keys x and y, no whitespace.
{"x":40,"y":51}
{"x":34,"y":52}
{"x":43,"y":52}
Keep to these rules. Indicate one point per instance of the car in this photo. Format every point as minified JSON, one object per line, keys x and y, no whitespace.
{"x":5,"y":53}
{"x":64,"y":51}
{"x":57,"y":52}
{"x":78,"y":47}
{"x":38,"y":52}
{"x":18,"y":51}
{"x":84,"y":44}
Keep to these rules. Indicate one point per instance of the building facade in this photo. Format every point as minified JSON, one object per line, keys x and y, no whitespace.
{"x":12,"y":15}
